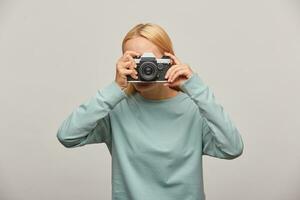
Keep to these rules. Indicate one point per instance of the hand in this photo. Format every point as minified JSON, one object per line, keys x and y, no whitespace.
{"x":126,"y":66}
{"x":177,"y":73}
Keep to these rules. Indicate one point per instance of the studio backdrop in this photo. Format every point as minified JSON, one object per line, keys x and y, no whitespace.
{"x":54,"y":55}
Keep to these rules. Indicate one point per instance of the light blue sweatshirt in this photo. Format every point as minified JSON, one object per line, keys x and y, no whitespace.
{"x":156,"y":145}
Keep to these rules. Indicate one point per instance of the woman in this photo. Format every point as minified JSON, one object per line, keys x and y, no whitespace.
{"x":155,"y":133}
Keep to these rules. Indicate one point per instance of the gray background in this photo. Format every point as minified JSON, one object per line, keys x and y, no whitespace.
{"x":54,"y":55}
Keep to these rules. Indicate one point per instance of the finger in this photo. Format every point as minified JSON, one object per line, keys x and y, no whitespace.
{"x":176,"y":68}
{"x":133,"y":62}
{"x":173,"y":71}
{"x":170,"y":70}
{"x":178,"y":73}
{"x":171,"y":84}
{"x":130,"y":64}
{"x":176,"y":60}
{"x":130,"y":72}
{"x":125,"y":58}
{"x":126,"y":71}
{"x":125,"y":65}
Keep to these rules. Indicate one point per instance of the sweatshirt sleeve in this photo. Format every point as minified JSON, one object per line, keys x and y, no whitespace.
{"x":90,"y":122}
{"x":220,"y":137}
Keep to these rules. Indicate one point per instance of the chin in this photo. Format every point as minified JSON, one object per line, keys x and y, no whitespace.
{"x":144,"y":86}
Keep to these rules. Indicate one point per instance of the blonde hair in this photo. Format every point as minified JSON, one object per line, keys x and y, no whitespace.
{"x":155,"y":34}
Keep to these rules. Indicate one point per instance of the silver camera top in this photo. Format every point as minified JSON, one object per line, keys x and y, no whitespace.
{"x":150,"y":56}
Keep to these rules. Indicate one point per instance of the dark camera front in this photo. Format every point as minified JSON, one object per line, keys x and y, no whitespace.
{"x":150,"y":69}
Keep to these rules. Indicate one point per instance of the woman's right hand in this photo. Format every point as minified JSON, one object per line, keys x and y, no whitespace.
{"x":126,"y":66}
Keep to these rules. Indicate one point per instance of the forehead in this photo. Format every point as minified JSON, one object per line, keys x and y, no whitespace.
{"x":140,"y":45}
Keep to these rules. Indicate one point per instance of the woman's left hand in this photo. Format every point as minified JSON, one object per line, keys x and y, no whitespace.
{"x":177,"y":73}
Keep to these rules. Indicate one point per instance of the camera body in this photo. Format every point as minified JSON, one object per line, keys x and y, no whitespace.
{"x":150,"y":69}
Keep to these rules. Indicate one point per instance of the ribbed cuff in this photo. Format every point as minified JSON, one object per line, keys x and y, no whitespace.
{"x":193,"y":85}
{"x":112,"y":94}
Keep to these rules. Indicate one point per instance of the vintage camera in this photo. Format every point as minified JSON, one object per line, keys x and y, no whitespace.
{"x":150,"y":69}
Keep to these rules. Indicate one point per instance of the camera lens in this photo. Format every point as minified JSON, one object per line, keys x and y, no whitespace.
{"x":148,"y":71}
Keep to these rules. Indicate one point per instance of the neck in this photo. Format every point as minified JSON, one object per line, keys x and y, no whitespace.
{"x":159,"y":92}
